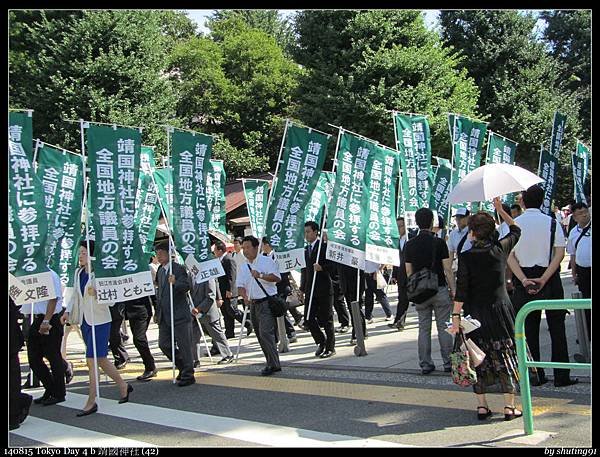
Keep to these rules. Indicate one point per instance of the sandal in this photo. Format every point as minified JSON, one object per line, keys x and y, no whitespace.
{"x":485,"y":415}
{"x":513,"y":414}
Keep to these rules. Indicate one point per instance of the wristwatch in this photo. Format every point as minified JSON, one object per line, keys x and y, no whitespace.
{"x":45,"y":321}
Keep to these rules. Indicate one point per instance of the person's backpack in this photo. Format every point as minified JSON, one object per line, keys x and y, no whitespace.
{"x":423,"y":284}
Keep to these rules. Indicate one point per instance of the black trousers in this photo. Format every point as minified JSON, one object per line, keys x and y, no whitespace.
{"x":553,"y":290}
{"x":48,"y":346}
{"x":371,"y":291}
{"x":115,"y":340}
{"x":584,"y":283}
{"x":231,"y":313}
{"x":328,"y":338}
{"x":339,"y":305}
{"x":402,"y":307}
{"x":17,"y":400}
{"x":139,"y":327}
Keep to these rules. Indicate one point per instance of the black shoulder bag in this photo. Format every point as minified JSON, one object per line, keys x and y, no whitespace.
{"x":423,"y":284}
{"x":277,"y":305}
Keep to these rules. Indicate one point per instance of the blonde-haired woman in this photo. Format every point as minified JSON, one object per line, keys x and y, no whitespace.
{"x":83,"y":303}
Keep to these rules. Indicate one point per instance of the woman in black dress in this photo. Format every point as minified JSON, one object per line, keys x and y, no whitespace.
{"x":481,"y":288}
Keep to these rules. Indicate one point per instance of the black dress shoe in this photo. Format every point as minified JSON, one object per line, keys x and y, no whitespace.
{"x":147,"y":375}
{"x":28,"y":385}
{"x":92,"y":410}
{"x":327,"y":354}
{"x":320,"y":350}
{"x":186,"y":382}
{"x":25,"y":409}
{"x":427,"y":370}
{"x":539,"y":381}
{"x":197,"y":363}
{"x":52,"y":401}
{"x":268,"y":371}
{"x":40,"y":400}
{"x":225,"y":360}
{"x":178,"y":377}
{"x":125,"y":399}
{"x":568,"y":382}
{"x":121,"y":365}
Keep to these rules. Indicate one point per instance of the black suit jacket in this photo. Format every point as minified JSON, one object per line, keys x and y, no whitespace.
{"x":400,"y":271}
{"x":181,"y":303}
{"x":322,"y":302}
{"x":16,"y":339}
{"x":227,"y":282}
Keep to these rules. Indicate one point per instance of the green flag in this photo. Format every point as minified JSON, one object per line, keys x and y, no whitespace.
{"x":500,"y":150}
{"x":163,"y":177}
{"x":20,"y":130}
{"x":121,"y":269}
{"x":191,"y":164}
{"x":547,"y":171}
{"x":301,"y":163}
{"x":256,"y":192}
{"x":441,"y":187}
{"x":558,"y":132}
{"x":215,"y":196}
{"x":30,"y":279}
{"x":383,"y":239}
{"x":147,"y":207}
{"x":414,"y":143}
{"x":320,"y":197}
{"x":467,"y":141}
{"x":62,"y":174}
{"x":580,"y":161}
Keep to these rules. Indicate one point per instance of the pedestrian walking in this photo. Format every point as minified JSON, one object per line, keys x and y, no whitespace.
{"x":372,"y":291}
{"x":400,"y":279}
{"x":481,"y":286}
{"x":139,"y":314}
{"x":18,"y":402}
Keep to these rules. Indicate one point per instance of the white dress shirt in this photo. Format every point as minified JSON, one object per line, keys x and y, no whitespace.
{"x":263,"y":264}
{"x":583,"y":255}
{"x":503,"y":230}
{"x":454,"y":238}
{"x":403,"y":240}
{"x":533,"y":247}
{"x":371,"y":267}
{"x":41,"y":306}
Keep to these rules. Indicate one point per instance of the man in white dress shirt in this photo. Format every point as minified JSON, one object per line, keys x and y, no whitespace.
{"x":458,"y":238}
{"x":579,"y":246}
{"x":535,"y":262}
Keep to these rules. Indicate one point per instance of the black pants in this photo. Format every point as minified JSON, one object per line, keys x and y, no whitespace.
{"x":139,"y":326}
{"x":371,"y":291}
{"x":584,"y":283}
{"x":402,"y":307}
{"x":16,"y":400}
{"x":231,"y":313}
{"x":184,"y":358}
{"x":328,"y":338}
{"x":339,"y":306}
{"x":115,"y":340}
{"x":553,"y":290}
{"x":48,"y":346}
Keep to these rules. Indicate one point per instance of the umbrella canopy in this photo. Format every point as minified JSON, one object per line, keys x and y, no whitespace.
{"x":490,"y":181}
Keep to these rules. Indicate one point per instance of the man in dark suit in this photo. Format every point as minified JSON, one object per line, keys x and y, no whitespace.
{"x":178,"y":277}
{"x":400,"y":279}
{"x":321,"y":311}
{"x":228,"y":290}
{"x":18,"y":402}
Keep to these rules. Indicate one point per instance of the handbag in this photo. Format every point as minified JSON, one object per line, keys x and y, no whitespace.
{"x":476,"y":355}
{"x":462,"y":372}
{"x":423,"y":284}
{"x":381,"y":282}
{"x":277,"y":304}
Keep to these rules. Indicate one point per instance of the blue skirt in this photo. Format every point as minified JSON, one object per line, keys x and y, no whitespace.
{"x":102,"y":334}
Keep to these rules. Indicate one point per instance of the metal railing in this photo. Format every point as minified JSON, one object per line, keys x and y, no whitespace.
{"x":524,"y":364}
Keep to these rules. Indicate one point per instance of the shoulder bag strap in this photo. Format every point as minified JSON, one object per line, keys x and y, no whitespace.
{"x":434,"y":252}
{"x":581,"y":235}
{"x":552,"y":235}
{"x":258,"y":282}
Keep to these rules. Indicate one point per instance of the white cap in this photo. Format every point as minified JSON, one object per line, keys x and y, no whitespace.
{"x":462,"y":212}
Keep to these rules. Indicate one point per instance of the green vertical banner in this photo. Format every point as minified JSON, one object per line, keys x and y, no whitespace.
{"x":215,"y":196}
{"x":256,"y":192}
{"x":499,"y":150}
{"x":441,"y":187}
{"x":29,"y":278}
{"x":467,"y":140}
{"x":547,"y":171}
{"x":122,"y":272}
{"x":147,"y":207}
{"x":61,"y":173}
{"x":20,"y":130}
{"x":580,"y":161}
{"x":299,"y":168}
{"x":191,"y":153}
{"x":163,"y":177}
{"x":348,"y":213}
{"x":383,"y":238}
{"x":558,"y":132}
{"x":320,"y":197}
{"x":414,"y":143}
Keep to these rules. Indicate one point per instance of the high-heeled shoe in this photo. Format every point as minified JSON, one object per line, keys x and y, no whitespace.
{"x":84,"y":412}
{"x":513,"y":414}
{"x":125,"y":399}
{"x":483,"y":416}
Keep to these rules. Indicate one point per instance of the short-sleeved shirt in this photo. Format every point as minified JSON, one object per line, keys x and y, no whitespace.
{"x":583,"y":255}
{"x":41,"y":306}
{"x":371,"y":267}
{"x":262,"y":264}
{"x":533,"y":247}
{"x":419,"y":253}
{"x":455,"y":237}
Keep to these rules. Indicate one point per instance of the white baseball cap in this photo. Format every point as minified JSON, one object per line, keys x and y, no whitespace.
{"x":462,"y":212}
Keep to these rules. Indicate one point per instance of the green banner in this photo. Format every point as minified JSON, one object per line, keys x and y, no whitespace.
{"x":467,"y":141}
{"x":383,"y":239}
{"x":347,"y":215}
{"x":299,"y":168}
{"x":441,"y":188}
{"x":558,"y":132}
{"x":62,"y":174}
{"x":163,"y":177}
{"x":256,"y":192}
{"x":31,"y":281}
{"x":215,"y":196}
{"x":20,"y":130}
{"x":191,"y":153}
{"x":580,"y":161}
{"x":320,"y":198}
{"x":121,"y":269}
{"x":414,"y":143}
{"x":500,"y":150}
{"x":547,"y":171}
{"x":147,"y":207}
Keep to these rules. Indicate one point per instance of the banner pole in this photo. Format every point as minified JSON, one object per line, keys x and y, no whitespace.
{"x":400,"y":190}
{"x":169,"y":130}
{"x":89,"y":254}
{"x":449,"y":214}
{"x":35,"y":154}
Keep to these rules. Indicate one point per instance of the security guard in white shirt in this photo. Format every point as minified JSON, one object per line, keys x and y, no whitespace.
{"x":535,"y":262}
{"x":579,"y":246}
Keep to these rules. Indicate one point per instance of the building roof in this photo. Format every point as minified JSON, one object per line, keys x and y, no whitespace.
{"x":234,"y":192}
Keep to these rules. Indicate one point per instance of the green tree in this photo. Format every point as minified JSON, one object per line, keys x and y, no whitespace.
{"x":361,"y":64}
{"x":520,"y":83}
{"x":104,"y":66}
